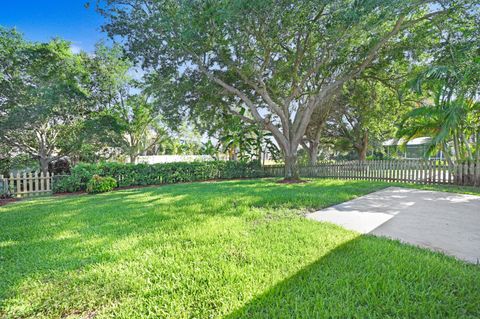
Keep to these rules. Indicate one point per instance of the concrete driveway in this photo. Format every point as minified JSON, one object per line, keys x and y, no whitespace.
{"x":440,"y":221}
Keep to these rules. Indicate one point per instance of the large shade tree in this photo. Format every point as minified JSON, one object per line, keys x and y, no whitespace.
{"x":367,"y":107}
{"x":278,"y":60}
{"x":43,"y":94}
{"x":50,"y":97}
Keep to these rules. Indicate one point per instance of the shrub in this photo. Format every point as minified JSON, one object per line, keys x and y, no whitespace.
{"x":65,"y":184}
{"x":77,"y":180}
{"x":99,"y":184}
{"x":4,"y":192}
{"x":155,"y":174}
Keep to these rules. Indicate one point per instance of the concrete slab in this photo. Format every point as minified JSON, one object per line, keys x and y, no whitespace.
{"x":440,"y":221}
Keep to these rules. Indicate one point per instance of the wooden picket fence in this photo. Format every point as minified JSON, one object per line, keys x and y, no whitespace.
{"x":402,"y":171}
{"x":27,"y":184}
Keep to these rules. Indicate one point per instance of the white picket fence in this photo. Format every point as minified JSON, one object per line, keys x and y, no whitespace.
{"x":401,"y":171}
{"x":27,"y":184}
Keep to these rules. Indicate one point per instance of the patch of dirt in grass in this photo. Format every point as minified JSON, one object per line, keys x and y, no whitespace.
{"x":292,"y":181}
{"x":5,"y":201}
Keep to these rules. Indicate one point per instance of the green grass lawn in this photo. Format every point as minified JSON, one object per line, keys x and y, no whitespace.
{"x":234,"y":249}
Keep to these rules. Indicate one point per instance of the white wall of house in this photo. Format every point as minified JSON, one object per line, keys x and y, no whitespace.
{"x":155,"y":159}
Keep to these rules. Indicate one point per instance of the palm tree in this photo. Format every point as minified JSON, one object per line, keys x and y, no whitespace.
{"x":450,"y":116}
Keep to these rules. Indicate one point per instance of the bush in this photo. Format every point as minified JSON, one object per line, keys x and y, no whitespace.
{"x":155,"y":174}
{"x":4,"y":192}
{"x":66,"y":184}
{"x":99,"y":184}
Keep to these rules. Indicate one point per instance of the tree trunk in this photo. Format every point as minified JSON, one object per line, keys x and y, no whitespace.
{"x":313,"y":153}
{"x":362,"y":149}
{"x":446,"y":153}
{"x":133,"y":158}
{"x":458,"y":156}
{"x":362,"y":154}
{"x":291,"y":166}
{"x":44,"y":164}
{"x":477,"y":147}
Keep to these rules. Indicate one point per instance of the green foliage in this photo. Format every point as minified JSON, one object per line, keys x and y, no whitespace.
{"x":139,"y":125}
{"x":19,"y":162}
{"x":4,"y":191}
{"x":67,"y":184}
{"x":99,"y":184}
{"x":43,"y":94}
{"x":155,"y":174}
{"x":270,"y":63}
{"x":364,"y":114}
{"x":47,"y":93}
{"x":450,"y":87}
{"x":246,"y":141}
{"x":234,"y":249}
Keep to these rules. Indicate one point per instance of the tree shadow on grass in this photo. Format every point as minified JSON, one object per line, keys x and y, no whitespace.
{"x":143,"y":210}
{"x":372,"y":277}
{"x":50,"y":238}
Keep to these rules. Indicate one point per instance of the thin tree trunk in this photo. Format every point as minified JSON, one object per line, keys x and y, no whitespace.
{"x":313,"y":153}
{"x":477,"y":146}
{"x":467,"y":146}
{"x":446,"y":153}
{"x":458,"y":156}
{"x":133,"y":158}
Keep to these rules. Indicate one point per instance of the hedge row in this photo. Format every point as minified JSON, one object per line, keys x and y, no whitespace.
{"x":155,"y":174}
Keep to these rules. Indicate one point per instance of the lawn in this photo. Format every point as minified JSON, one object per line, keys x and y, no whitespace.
{"x":234,"y":249}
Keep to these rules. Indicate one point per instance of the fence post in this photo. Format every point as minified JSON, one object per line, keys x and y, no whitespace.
{"x":11,"y":186}
{"x":18,"y":183}
{"x":47,"y":182}
{"x":24,"y":182}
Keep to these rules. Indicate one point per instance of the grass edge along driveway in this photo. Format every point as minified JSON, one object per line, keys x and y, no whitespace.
{"x":234,"y":249}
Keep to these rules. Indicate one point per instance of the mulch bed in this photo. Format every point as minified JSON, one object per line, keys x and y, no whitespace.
{"x":5,"y":201}
{"x":68,"y":194}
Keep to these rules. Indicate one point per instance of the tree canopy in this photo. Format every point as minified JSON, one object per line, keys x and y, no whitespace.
{"x":44,"y":90}
{"x":277,"y":61}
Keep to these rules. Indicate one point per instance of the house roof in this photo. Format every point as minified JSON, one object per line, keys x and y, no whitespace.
{"x":415,"y":141}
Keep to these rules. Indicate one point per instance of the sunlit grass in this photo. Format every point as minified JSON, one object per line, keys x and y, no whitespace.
{"x":228,"y":249}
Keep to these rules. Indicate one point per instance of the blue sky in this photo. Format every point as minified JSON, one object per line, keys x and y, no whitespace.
{"x":41,"y":20}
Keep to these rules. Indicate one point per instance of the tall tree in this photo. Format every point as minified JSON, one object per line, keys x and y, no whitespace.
{"x":43,"y":95}
{"x":450,"y":90}
{"x":365,"y":111}
{"x":139,"y":125}
{"x":278,"y":60}
{"x":450,"y":116}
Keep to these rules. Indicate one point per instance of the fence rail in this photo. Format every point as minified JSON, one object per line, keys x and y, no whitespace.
{"x":403,"y":171}
{"x":27,"y":184}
